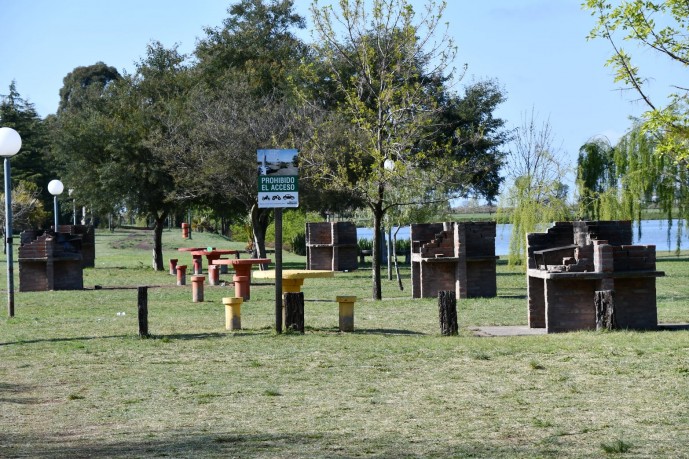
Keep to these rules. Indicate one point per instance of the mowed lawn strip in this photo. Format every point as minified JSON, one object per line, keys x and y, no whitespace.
{"x":76,"y":381}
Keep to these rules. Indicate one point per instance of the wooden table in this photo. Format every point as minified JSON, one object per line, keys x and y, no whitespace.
{"x":242,"y":273}
{"x":293,"y":279}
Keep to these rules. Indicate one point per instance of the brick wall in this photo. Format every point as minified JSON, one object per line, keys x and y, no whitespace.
{"x":331,"y":246}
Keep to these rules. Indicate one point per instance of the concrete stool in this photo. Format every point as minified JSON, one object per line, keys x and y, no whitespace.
{"x":213,"y":275}
{"x":173,"y":266}
{"x":181,"y":274}
{"x":233,"y":313}
{"x":197,"y":288}
{"x":346,"y":312}
{"x":198,"y":264}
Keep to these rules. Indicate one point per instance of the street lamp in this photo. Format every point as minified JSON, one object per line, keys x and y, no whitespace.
{"x":10,"y":143}
{"x":55,"y":187}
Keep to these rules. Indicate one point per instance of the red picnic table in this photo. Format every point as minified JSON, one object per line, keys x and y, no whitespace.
{"x":210,"y":255}
{"x":242,"y":273}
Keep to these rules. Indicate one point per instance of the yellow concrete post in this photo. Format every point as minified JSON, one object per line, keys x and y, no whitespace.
{"x":233,"y":313}
{"x":346,"y":312}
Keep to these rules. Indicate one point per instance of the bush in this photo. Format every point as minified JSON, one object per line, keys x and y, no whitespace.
{"x":365,"y":244}
{"x":299,"y":244}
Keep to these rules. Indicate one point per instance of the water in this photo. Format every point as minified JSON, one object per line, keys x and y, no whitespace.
{"x":653,"y":232}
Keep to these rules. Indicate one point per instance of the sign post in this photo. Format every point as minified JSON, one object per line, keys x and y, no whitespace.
{"x":278,"y":188}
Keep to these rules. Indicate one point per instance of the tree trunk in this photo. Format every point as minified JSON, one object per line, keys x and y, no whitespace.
{"x":397,"y":266}
{"x":158,"y":228}
{"x":260,"y":219}
{"x":375,"y":263}
{"x":604,"y":301}
{"x":293,"y":311}
{"x":447,"y":310}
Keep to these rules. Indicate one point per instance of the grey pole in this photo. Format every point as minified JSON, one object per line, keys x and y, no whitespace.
{"x":55,"y":210}
{"x":8,"y":239}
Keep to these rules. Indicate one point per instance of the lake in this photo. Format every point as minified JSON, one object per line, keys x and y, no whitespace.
{"x":653,"y":232}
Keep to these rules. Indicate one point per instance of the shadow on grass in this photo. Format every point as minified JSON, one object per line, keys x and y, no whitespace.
{"x":195,"y":443}
{"x":62,"y":340}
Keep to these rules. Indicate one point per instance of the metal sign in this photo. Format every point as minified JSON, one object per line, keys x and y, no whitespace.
{"x":278,"y":178}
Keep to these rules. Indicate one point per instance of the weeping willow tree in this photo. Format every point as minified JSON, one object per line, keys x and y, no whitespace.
{"x":537,"y":196}
{"x":619,"y":183}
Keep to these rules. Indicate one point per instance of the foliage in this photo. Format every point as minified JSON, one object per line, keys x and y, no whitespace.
{"x":298,"y":244}
{"x":365,"y":244}
{"x":110,"y":134}
{"x":596,"y":175}
{"x":537,"y":196}
{"x":384,"y":64}
{"x":634,"y":178}
{"x":32,"y":164}
{"x":83,"y":83}
{"x":660,"y":27}
{"x":27,"y":208}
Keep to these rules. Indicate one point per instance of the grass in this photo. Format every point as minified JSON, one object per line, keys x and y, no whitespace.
{"x":76,"y":381}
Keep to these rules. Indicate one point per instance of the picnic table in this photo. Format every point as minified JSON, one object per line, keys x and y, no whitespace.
{"x":211,"y":255}
{"x":242,"y":273}
{"x":293,"y":279}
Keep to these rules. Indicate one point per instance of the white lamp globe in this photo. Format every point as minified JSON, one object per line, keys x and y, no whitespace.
{"x":389,"y":164}
{"x":10,"y":142}
{"x":55,"y":187}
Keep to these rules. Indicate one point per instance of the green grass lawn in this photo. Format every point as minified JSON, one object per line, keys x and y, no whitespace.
{"x":76,"y":381}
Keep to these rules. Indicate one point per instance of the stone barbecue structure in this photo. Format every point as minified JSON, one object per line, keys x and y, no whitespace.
{"x":331,"y":246}
{"x":453,"y":256}
{"x":578,"y":267}
{"x":51,"y":261}
{"x":88,"y":242}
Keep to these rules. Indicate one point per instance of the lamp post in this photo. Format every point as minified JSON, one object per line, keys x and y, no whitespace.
{"x":55,"y":187}
{"x":10,"y":143}
{"x":74,"y":207}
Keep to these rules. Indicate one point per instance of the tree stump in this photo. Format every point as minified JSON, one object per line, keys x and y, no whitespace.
{"x":447,"y":310}
{"x":293,"y":312}
{"x":605,"y":310}
{"x":142,"y":303}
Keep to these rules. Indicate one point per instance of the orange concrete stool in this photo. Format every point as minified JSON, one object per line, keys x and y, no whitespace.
{"x":213,"y":275}
{"x":233,"y":313}
{"x":173,"y":266}
{"x":181,"y":274}
{"x":242,"y":274}
{"x":346,"y":312}
{"x":197,"y":288}
{"x":197,"y":263}
{"x":185,"y":230}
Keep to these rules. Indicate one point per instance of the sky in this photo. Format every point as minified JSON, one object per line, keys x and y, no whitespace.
{"x":536,"y":50}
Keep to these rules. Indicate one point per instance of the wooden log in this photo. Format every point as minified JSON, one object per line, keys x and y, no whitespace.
{"x":142,"y":306}
{"x":447,"y":310}
{"x":604,"y":301}
{"x":293,"y":312}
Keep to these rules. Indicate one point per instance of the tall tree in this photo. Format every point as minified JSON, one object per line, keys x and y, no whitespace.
{"x":109,"y":132}
{"x":32,"y":164}
{"x":247,"y":62}
{"x":79,"y":85}
{"x":661,"y":28}
{"x":396,"y":61}
{"x":536,"y":196}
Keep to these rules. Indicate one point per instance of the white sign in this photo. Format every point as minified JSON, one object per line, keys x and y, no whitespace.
{"x":278,"y":178}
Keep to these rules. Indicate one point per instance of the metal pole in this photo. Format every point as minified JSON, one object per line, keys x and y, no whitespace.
{"x":74,"y":212}
{"x":55,"y":210}
{"x":8,"y":240}
{"x":278,"y":270}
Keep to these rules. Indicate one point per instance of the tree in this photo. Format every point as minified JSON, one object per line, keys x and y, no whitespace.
{"x":246,"y":66}
{"x":537,"y":195}
{"x":660,"y":27}
{"x":79,"y":84}
{"x":626,"y":179}
{"x":32,"y":164}
{"x":596,"y":176}
{"x":109,"y":134}
{"x":385,"y":65}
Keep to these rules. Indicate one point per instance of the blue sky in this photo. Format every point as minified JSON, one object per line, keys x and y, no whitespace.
{"x":536,"y":49}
